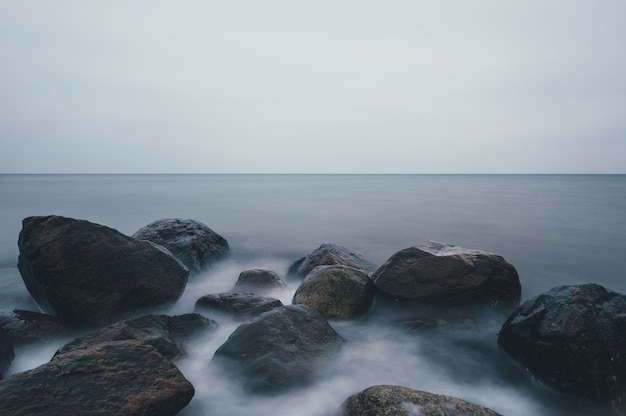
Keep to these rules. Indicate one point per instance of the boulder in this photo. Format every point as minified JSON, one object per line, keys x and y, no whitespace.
{"x":6,"y":351}
{"x":329,"y":254}
{"x":573,"y":339}
{"x":238,"y":305}
{"x":337,"y":292}
{"x":27,"y":327}
{"x":259,"y":281}
{"x":86,"y":273}
{"x":402,"y":401}
{"x":112,"y":378}
{"x":441,"y":274}
{"x":282,"y":349}
{"x":190,"y":241}
{"x":165,"y":333}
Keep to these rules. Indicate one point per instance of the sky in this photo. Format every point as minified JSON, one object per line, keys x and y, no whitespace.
{"x":248,"y":86}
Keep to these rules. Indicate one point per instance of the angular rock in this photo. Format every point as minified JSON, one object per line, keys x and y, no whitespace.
{"x":441,"y":274}
{"x":190,"y":241}
{"x":329,"y":254}
{"x":113,"y":378}
{"x":28,"y":327}
{"x":259,"y":281}
{"x":86,"y":273}
{"x":238,"y":305}
{"x":281,"y":350}
{"x":401,"y":401}
{"x":573,"y":339}
{"x":337,"y":292}
{"x":165,"y":333}
{"x":6,"y":351}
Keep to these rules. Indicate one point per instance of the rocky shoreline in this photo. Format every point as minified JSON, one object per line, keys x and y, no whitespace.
{"x":92,"y":280}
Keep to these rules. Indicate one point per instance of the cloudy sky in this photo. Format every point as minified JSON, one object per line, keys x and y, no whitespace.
{"x":238,"y":86}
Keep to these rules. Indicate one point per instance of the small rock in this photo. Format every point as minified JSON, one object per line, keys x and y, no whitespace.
{"x":259,"y":281}
{"x":238,"y":305}
{"x":27,"y":327}
{"x":330,"y":254}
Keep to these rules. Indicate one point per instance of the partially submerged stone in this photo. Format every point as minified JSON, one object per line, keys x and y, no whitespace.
{"x":113,"y":378}
{"x":337,"y":292}
{"x":86,"y":273}
{"x":190,"y":241}
{"x":27,"y":327}
{"x":330,"y":254}
{"x":258,"y":280}
{"x":283,"y":349}
{"x":573,"y":339}
{"x":237,"y":305}
{"x":388,"y":400}
{"x":441,"y":274}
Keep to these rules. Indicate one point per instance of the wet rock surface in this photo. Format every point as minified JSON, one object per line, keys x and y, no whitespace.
{"x":192,"y":242}
{"x":572,"y":338}
{"x":441,"y":274}
{"x":386,"y":400}
{"x":87,"y":274}
{"x":258,"y":280}
{"x":112,"y":378}
{"x":281,"y":350}
{"x":329,"y":254}
{"x":26,"y":327}
{"x":7,"y":354}
{"x":337,"y":292}
{"x":165,"y":333}
{"x":237,"y":305}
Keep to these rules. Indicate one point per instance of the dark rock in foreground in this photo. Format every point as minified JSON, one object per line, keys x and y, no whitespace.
{"x":114,"y":378}
{"x":165,"y":333}
{"x":281,"y":350}
{"x":259,"y":281}
{"x":190,"y":241}
{"x":27,"y":327}
{"x":337,"y":292}
{"x":440,"y":274}
{"x":87,"y":273}
{"x":6,"y":351}
{"x":384,"y":400}
{"x":572,"y":338}
{"x":238,"y":305}
{"x":329,"y":254}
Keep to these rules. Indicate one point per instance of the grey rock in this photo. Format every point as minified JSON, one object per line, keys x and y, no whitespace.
{"x":329,"y":254}
{"x":259,"y":281}
{"x":238,"y":305}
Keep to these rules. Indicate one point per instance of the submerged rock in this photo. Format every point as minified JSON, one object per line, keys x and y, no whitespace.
{"x":281,"y":350}
{"x":6,"y":351}
{"x":112,"y":378}
{"x":386,"y":400}
{"x":165,"y":333}
{"x":441,"y":274}
{"x":573,"y":339}
{"x":238,"y":305}
{"x":259,"y":281}
{"x":337,"y":292}
{"x":28,"y":327}
{"x":86,"y":273}
{"x":190,"y":241}
{"x":330,"y":254}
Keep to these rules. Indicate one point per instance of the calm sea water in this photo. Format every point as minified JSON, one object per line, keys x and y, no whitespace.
{"x":555,"y":229}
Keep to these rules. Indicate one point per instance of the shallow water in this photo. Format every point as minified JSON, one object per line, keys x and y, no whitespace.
{"x":554,"y":229}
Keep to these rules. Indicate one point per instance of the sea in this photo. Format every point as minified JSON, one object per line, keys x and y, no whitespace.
{"x":554,"y":229}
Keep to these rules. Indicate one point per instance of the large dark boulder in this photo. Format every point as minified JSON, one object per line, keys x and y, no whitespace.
{"x":572,"y":338}
{"x":385,"y":400}
{"x":282,"y":349}
{"x":87,"y":273}
{"x":192,"y":242}
{"x":259,"y":281}
{"x":237,"y":305}
{"x":165,"y":333}
{"x":113,"y":378}
{"x":337,"y":292}
{"x":6,"y":351}
{"x":441,"y":274}
{"x":329,"y":254}
{"x":27,"y":327}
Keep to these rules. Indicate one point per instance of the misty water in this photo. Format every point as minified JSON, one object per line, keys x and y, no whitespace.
{"x":555,"y":230}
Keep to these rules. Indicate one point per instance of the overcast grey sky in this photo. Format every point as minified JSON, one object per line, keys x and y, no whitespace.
{"x":395,"y":86}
